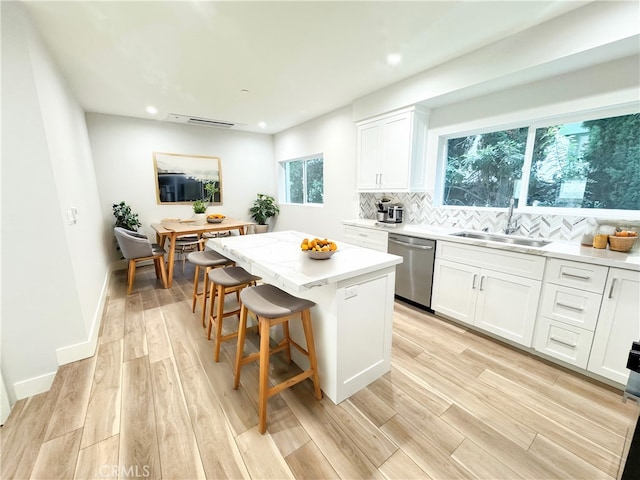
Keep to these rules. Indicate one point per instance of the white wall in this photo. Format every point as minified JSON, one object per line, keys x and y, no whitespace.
{"x":333,"y":135}
{"x":123,"y":154}
{"x":53,"y":275}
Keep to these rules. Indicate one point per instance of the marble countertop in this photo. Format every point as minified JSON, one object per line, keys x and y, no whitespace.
{"x":279,"y":255}
{"x":556,"y":249}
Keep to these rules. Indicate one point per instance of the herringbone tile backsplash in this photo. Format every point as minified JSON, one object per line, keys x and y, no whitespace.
{"x":419,"y":209}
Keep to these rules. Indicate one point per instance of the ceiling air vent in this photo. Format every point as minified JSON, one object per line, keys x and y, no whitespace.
{"x":204,"y":122}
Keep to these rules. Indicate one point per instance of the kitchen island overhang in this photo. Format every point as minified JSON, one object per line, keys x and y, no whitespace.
{"x":354,"y":295}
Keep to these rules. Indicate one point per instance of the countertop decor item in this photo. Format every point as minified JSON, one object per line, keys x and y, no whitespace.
{"x":621,"y":244}
{"x":600,"y":240}
{"x":318,"y":248}
{"x":320,"y":255}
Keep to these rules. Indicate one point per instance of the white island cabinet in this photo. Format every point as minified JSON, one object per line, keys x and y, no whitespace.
{"x":353,"y":292}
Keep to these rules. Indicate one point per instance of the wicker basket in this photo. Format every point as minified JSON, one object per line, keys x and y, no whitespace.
{"x":621,"y":244}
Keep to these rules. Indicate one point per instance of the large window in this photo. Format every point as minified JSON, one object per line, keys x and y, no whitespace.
{"x":485,"y":170}
{"x":304,"y":180}
{"x":591,"y":164}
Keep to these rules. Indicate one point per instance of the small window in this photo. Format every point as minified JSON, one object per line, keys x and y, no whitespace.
{"x":484,"y":170}
{"x":304,"y":180}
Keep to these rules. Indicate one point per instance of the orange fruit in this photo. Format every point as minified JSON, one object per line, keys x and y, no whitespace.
{"x":623,"y":233}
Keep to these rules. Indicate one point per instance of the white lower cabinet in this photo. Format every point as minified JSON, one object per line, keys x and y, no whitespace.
{"x":569,"y":308}
{"x":618,"y":325}
{"x":507,"y":305}
{"x":562,"y":341}
{"x":498,"y":302}
{"x":367,"y":237}
{"x":455,"y":290}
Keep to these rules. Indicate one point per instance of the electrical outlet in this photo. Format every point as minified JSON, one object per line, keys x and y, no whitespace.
{"x":72,"y":217}
{"x":351,"y":292}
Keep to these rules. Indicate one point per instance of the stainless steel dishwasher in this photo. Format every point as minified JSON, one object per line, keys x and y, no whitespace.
{"x":414,"y":275}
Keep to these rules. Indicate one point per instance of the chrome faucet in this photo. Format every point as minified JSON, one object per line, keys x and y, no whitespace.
{"x":512,"y":225}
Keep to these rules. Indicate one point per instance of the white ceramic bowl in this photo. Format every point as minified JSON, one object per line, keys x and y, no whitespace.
{"x":320,"y":255}
{"x":215,"y":220}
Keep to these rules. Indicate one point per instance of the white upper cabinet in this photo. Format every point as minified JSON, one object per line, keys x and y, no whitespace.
{"x":391,"y":152}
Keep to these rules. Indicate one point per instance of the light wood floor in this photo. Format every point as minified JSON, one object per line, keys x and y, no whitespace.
{"x":152,"y":403}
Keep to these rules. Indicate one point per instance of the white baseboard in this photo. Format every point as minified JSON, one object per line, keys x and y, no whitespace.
{"x":33,"y":386}
{"x":71,"y":353}
{"x":86,"y":349}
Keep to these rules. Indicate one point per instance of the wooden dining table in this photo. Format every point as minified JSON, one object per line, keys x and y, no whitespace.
{"x":174,"y":228}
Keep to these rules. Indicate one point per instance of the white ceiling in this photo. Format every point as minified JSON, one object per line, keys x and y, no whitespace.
{"x":298,"y":60}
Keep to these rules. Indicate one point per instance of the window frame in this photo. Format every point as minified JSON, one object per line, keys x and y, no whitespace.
{"x":532,"y":125}
{"x":284,"y":184}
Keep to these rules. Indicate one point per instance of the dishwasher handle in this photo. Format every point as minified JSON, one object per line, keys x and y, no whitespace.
{"x":411,"y":245}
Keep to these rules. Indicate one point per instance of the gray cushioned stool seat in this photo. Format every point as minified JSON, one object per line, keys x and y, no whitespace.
{"x":271,"y":302}
{"x":208,"y":258}
{"x":224,"y":281}
{"x":231,"y":276}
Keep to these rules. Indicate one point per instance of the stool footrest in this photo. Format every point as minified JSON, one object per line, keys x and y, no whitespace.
{"x":289,"y":383}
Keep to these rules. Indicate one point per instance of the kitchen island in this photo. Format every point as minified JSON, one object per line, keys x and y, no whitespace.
{"x":353,"y":291}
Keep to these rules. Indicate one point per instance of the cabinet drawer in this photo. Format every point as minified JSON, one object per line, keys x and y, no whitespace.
{"x":564,"y":342}
{"x":366,"y":237}
{"x":571,"y":305}
{"x":514,"y":263}
{"x":577,"y":274}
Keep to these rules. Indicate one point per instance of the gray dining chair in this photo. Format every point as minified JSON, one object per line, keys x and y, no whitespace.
{"x":136,"y":248}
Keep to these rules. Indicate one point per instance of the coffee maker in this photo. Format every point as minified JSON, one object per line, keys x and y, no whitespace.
{"x":389,"y":213}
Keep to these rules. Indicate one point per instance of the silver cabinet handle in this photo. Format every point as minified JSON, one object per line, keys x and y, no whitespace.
{"x":363,"y":234}
{"x":573,"y":275}
{"x":572,"y":307}
{"x":410,"y":245}
{"x":613,"y":283}
{"x":380,"y":183}
{"x":563,"y":342}
{"x":482,"y":283}
{"x":473,"y":284}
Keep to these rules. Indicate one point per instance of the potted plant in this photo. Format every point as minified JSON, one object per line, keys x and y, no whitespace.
{"x":264,"y":207}
{"x":125,"y":218}
{"x":199,"y":209}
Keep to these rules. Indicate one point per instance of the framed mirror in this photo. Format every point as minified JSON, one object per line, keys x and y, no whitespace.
{"x":186,"y":178}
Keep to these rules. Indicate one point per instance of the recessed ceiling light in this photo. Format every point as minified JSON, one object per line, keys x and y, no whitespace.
{"x":262,"y":124}
{"x":244,"y":90}
{"x":394,"y":59}
{"x":152,"y":110}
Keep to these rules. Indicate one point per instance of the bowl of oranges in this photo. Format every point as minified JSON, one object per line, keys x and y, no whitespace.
{"x":215,"y":218}
{"x":623,"y":240}
{"x":318,"y":248}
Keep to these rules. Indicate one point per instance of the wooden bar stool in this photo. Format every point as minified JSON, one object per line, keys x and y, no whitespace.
{"x":273,"y":306}
{"x":207,"y":259}
{"x":224,"y":281}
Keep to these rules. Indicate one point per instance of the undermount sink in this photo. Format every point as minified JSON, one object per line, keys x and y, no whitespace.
{"x":494,"y":237}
